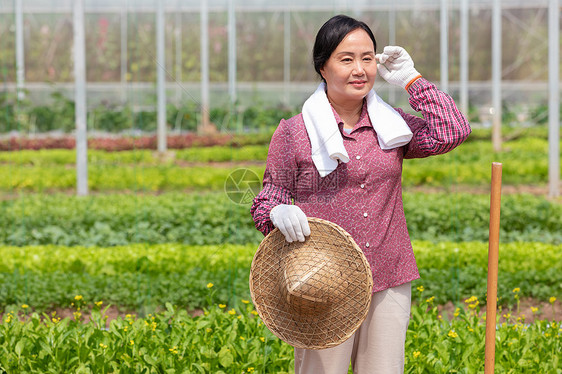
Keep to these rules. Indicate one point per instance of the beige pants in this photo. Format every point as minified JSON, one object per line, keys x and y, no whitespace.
{"x":376,"y":347}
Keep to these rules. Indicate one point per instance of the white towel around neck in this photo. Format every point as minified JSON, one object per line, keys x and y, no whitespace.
{"x":326,"y":139}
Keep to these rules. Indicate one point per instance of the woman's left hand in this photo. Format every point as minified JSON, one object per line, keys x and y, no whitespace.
{"x":396,"y":66}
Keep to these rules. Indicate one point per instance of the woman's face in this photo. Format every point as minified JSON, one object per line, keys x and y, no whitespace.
{"x":351,"y":69}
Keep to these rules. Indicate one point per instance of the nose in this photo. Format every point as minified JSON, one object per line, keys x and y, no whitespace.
{"x":358,"y":69}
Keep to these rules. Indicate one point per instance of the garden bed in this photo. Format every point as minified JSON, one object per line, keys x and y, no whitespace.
{"x":230,"y":340}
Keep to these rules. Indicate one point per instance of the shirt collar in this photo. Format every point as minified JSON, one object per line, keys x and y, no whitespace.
{"x":364,"y":120}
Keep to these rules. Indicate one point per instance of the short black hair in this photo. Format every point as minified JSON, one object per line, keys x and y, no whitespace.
{"x":330,"y":36}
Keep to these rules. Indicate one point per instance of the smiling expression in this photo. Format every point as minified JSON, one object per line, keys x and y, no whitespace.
{"x":351,"y":69}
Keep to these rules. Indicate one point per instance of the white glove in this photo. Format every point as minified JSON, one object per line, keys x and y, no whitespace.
{"x":291,"y":221}
{"x":396,"y":66}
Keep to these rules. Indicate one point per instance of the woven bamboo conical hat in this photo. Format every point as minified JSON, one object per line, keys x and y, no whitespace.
{"x":312,"y":294}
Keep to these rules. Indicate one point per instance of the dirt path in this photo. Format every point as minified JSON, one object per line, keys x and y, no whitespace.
{"x":545,"y":311}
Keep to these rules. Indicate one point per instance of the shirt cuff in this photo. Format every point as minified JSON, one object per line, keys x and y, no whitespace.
{"x":416,"y":84}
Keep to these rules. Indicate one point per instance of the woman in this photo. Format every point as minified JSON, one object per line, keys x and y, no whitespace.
{"x":341,"y":160}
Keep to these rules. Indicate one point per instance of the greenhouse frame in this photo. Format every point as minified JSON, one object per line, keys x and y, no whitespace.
{"x":488,"y":54}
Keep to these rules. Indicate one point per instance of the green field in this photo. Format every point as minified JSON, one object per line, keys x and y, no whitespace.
{"x":149,"y":274}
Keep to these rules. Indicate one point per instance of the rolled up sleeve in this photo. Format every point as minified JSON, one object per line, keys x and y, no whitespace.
{"x":442,"y":128}
{"x":278,"y":180}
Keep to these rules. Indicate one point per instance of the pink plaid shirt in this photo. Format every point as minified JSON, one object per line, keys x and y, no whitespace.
{"x":363,"y":196}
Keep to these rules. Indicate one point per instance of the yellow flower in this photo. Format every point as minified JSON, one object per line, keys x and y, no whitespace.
{"x":472,"y":306}
{"x":470,"y":329}
{"x":552,"y":300}
{"x":103,"y":345}
{"x":25,"y":306}
{"x":507,"y":316}
{"x":416,"y":354}
{"x":209,"y":329}
{"x":78,"y":297}
{"x":242,"y":338}
{"x":132,"y":342}
{"x":77,"y":315}
{"x":174,"y":350}
{"x":457,"y":312}
{"x":254,"y":312}
{"x":99,"y":303}
{"x":517,"y":289}
{"x":534,"y":309}
{"x":222,"y":306}
{"x":250,"y":369}
{"x":245,"y":301}
{"x":430,"y":300}
{"x":210,"y":285}
{"x":262,"y":339}
{"x":420,"y":288}
{"x":471,"y":299}
{"x":452,"y":334}
{"x":232,"y":312}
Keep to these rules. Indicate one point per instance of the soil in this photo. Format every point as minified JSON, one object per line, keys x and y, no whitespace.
{"x":546,"y":311}
{"x":112,"y":313}
{"x":482,"y":190}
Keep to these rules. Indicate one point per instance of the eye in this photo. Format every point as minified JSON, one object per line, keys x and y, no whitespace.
{"x":368,"y":59}
{"x":346,"y":59}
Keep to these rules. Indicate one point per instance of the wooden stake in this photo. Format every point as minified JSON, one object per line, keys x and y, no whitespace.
{"x":493,"y":249}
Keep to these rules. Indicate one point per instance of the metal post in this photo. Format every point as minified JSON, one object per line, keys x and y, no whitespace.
{"x":161,"y":76}
{"x":204,"y":66}
{"x":392,"y":41}
{"x":20,"y":62}
{"x":553,"y":98}
{"x":80,"y":99}
{"x":464,"y":57}
{"x":124,"y":35}
{"x":496,"y":75}
{"x":231,"y":51}
{"x":444,"y":43}
{"x":178,"y":38}
{"x":286,"y":54}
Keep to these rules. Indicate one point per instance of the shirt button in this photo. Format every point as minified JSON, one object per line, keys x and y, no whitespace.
{"x":362,"y":186}
{"x":367,"y":244}
{"x":365,"y":214}
{"x":358,"y":157}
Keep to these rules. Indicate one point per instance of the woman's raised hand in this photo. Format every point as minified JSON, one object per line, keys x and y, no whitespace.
{"x":396,"y":66}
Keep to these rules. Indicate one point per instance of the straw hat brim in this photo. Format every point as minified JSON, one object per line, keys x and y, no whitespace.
{"x":312,"y":294}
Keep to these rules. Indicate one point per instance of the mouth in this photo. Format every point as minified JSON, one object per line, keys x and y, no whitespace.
{"x":358,"y":83}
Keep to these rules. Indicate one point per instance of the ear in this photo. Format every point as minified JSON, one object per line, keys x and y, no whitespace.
{"x":322,"y":73}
